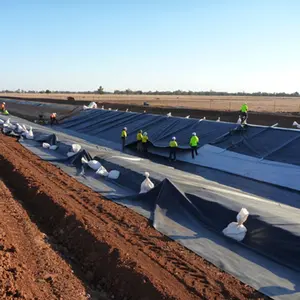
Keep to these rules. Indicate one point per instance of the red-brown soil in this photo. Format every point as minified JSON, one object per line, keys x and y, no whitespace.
{"x":117,"y":250}
{"x":29,"y":267}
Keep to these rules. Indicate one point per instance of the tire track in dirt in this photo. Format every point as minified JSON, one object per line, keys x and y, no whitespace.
{"x":125,"y":252}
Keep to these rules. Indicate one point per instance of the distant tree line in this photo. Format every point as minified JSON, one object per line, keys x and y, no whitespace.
{"x":100,"y":90}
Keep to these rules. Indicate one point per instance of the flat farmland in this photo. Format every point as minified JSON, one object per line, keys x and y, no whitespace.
{"x":221,"y":103}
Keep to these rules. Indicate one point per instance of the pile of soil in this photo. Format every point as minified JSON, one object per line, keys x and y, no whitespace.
{"x":29,"y":267}
{"x":114,"y":248}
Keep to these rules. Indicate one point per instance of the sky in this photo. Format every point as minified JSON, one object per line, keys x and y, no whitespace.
{"x":220,"y":45}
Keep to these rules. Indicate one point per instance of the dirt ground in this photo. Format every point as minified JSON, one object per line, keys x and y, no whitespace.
{"x":109,"y":247}
{"x":29,"y":267}
{"x":220,"y":103}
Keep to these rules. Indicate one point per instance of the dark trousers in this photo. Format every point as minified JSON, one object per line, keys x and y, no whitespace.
{"x":123,"y":143}
{"x":53,"y":121}
{"x":244,"y":117}
{"x":172,"y":155}
{"x":194,"y":151}
{"x":139,"y":146}
{"x":145,"y":147}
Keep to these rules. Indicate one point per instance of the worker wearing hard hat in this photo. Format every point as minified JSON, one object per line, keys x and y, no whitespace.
{"x":124,"y":137}
{"x":244,"y":113}
{"x":53,"y":119}
{"x":3,"y":107}
{"x":173,"y":148}
{"x":145,"y":141}
{"x":139,"y":137}
{"x":194,"y":144}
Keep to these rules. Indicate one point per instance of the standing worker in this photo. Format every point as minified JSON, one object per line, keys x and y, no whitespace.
{"x":244,"y":113}
{"x":123,"y":137}
{"x":139,"y":137}
{"x":145,"y":141}
{"x":173,"y":149}
{"x":53,"y":119}
{"x":194,"y":144}
{"x":3,"y":107}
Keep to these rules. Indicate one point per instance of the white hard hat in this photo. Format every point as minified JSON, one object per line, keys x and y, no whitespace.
{"x":145,"y":133}
{"x":3,"y":102}
{"x":174,"y":138}
{"x":125,"y":128}
{"x":194,"y":133}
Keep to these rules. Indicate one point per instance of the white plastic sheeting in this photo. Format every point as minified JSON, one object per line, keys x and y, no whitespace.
{"x":236,"y":230}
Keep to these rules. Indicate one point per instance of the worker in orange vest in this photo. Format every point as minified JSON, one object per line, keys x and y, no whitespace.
{"x":3,"y":107}
{"x":53,"y":119}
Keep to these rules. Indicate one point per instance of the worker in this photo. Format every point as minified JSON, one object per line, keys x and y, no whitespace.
{"x":145,"y":141}
{"x":139,"y":137}
{"x":123,"y":137}
{"x":173,"y":149}
{"x":3,"y":107}
{"x":194,"y":144}
{"x":244,"y":113}
{"x":53,"y":119}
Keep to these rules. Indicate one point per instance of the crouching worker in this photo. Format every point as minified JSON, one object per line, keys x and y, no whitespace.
{"x":139,"y":136}
{"x":145,"y":141}
{"x":173,"y":149}
{"x":124,"y":137}
{"x":53,"y":119}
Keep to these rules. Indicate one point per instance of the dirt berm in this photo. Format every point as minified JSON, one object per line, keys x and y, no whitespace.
{"x":116,"y":250}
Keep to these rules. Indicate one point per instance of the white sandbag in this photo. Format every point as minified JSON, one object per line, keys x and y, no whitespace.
{"x":19,"y":128}
{"x":83,"y":160}
{"x":46,"y":145}
{"x":1,"y":122}
{"x":94,"y":164}
{"x":113,"y":174}
{"x":76,"y":148}
{"x":147,"y":184}
{"x":296,"y":124}
{"x":7,"y":122}
{"x":85,"y":107}
{"x":53,"y":147}
{"x":29,"y":134}
{"x":239,"y":121}
{"x":236,"y":230}
{"x":102,"y":171}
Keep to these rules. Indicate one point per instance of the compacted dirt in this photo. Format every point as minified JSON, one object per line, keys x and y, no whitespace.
{"x":110,"y":247}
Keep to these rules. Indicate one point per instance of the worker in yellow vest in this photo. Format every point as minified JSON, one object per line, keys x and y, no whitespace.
{"x":123,"y":137}
{"x":145,"y":141}
{"x":139,"y":137}
{"x":244,"y":113}
{"x":194,"y":144}
{"x":173,"y":149}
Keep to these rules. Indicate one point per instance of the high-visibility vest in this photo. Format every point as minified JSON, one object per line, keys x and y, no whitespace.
{"x":144,"y":139}
{"x":173,"y":144}
{"x":139,"y":136}
{"x":244,"y":108}
{"x":124,"y":134}
{"x":194,"y":141}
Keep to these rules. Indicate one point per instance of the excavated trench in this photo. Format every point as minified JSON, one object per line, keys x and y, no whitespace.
{"x":110,"y":247}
